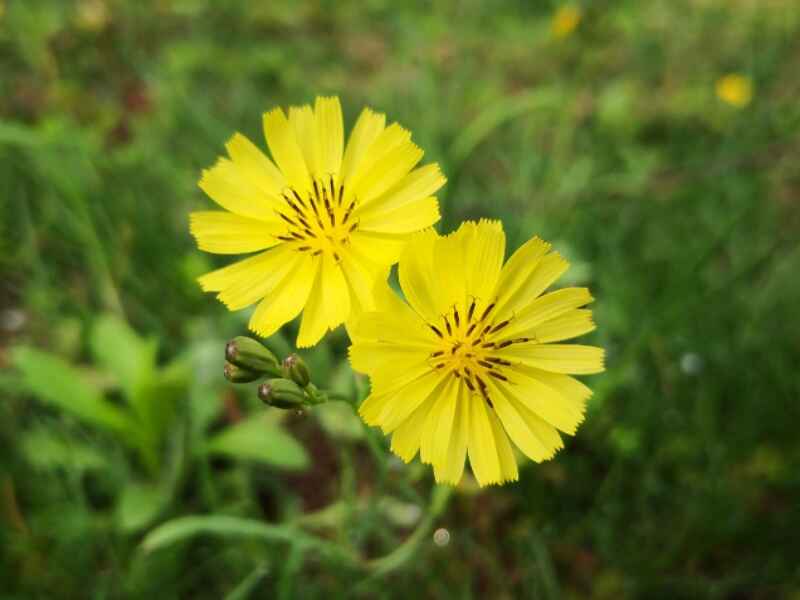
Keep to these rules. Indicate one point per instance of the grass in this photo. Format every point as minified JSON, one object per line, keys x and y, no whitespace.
{"x":678,"y":210}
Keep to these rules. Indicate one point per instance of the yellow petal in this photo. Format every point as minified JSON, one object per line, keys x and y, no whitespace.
{"x":449,"y":255}
{"x":312,"y":327}
{"x":381,"y":358}
{"x":366,"y":130}
{"x":253,"y":285}
{"x":218,"y":280}
{"x":407,"y":437}
{"x":389,"y":381}
{"x":483,"y":453}
{"x":485,"y":249}
{"x":409,"y":218}
{"x":534,"y":436}
{"x":328,"y":305}
{"x":417,"y":277}
{"x":569,"y":325}
{"x":256,"y":167}
{"x":427,"y":388}
{"x":420,"y":183}
{"x":508,"y":464}
{"x":571,"y":390}
{"x":227,"y":185}
{"x":329,"y":133}
{"x":361,"y":275}
{"x":287,"y":300}
{"x":446,"y":392}
{"x":388,"y":170}
{"x":381,"y":146}
{"x":512,"y":285}
{"x":305,"y":129}
{"x":381,"y":402}
{"x":228,"y":233}
{"x":282,"y":142}
{"x":543,"y":309}
{"x":451,"y":439}
{"x":546,"y":271}
{"x":574,"y":359}
{"x":383,"y":249}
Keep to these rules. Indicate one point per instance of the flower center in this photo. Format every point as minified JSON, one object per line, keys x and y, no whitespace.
{"x":469,"y":339}
{"x":320,"y":220}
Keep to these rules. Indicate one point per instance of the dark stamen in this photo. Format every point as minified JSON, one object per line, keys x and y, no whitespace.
{"x":296,"y":195}
{"x":455,"y":315}
{"x":471,"y":328}
{"x":469,"y":384}
{"x":498,"y":376}
{"x":437,"y":353}
{"x":297,"y":236}
{"x":284,"y":238}
{"x":303,"y":248}
{"x":483,"y":363}
{"x":285,"y":218}
{"x":499,"y":326}
{"x":447,"y":324}
{"x":504,"y":344}
{"x":487,"y":311}
{"x":435,"y":330}
{"x":471,"y":310}
{"x":499,"y":361}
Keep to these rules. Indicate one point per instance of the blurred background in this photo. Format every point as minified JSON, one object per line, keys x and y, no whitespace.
{"x":656,"y":144}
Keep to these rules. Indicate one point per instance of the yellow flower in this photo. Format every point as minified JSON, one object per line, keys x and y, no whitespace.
{"x":329,"y":221}
{"x":735,"y":89}
{"x":566,"y":20}
{"x":470,"y":360}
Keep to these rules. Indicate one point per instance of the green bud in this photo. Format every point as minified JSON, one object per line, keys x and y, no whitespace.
{"x":297,"y":370}
{"x":249,"y":354}
{"x":236,"y":374}
{"x":282,"y":393}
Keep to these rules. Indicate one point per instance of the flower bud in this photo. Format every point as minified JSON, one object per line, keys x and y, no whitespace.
{"x":249,"y":354}
{"x":281,"y":393}
{"x":297,"y":370}
{"x":236,"y":374}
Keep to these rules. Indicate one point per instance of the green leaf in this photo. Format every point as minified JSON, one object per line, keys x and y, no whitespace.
{"x":185,"y":528}
{"x":249,"y":584}
{"x":140,"y":505}
{"x":339,"y":420}
{"x":117,"y":348}
{"x":57,"y":383}
{"x":258,"y":439}
{"x":44,"y":449}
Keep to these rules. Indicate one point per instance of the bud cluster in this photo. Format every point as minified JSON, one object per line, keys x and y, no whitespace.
{"x":288,"y":383}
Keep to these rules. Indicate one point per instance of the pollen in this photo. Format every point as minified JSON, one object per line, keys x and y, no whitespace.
{"x":469,"y":338}
{"x":320,"y":220}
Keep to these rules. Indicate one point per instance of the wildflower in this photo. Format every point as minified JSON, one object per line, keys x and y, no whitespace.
{"x":327,"y":221}
{"x":470,"y":359}
{"x":566,"y":20}
{"x":735,"y":89}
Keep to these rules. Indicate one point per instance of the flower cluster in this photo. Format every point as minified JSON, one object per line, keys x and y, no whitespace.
{"x":466,"y":362}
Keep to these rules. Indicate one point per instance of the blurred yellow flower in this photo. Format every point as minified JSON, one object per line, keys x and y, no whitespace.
{"x":330,"y":220}
{"x":469,"y":360}
{"x":735,"y":89}
{"x":566,"y":20}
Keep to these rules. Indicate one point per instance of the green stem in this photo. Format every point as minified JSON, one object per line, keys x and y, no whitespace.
{"x":408,"y":549}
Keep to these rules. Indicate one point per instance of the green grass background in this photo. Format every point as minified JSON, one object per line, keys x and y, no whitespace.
{"x":681,"y":213}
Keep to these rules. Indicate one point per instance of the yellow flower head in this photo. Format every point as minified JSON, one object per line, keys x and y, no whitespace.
{"x":470,"y":360}
{"x":327,"y":221}
{"x":566,"y":20}
{"x":735,"y":89}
